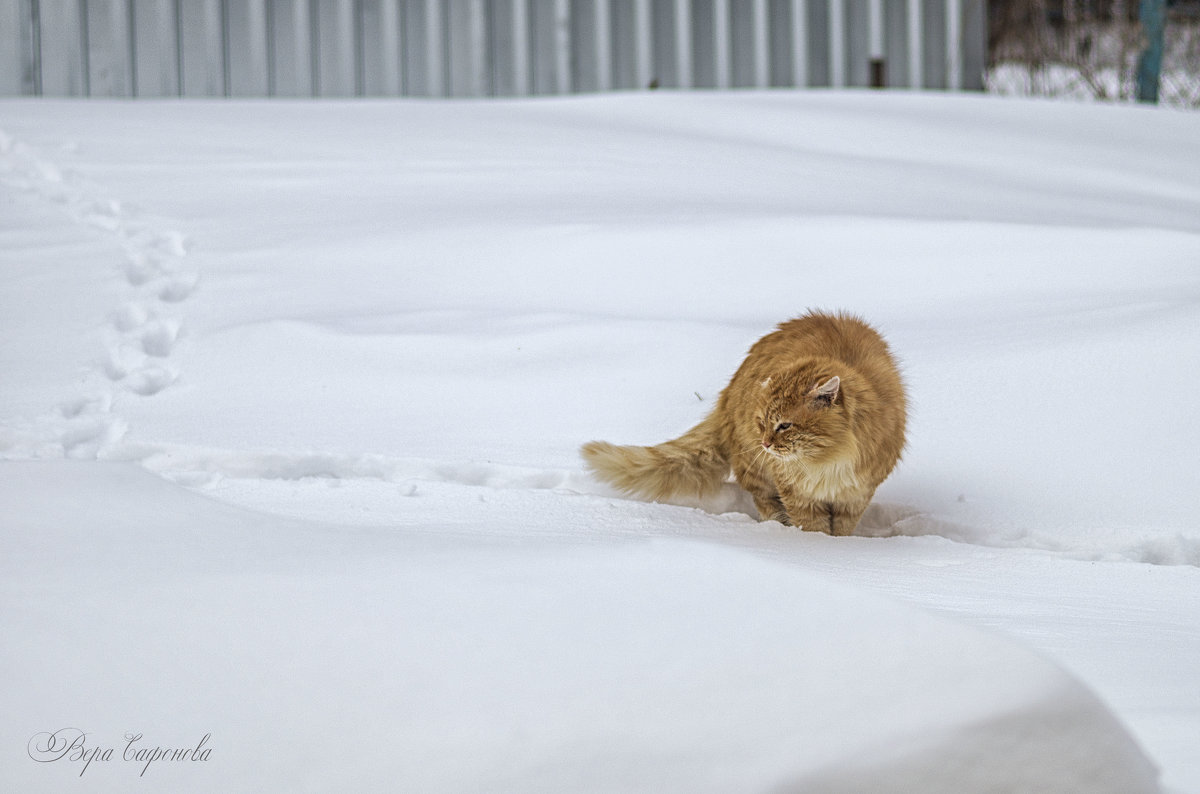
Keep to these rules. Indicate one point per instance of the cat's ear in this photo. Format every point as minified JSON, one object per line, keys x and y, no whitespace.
{"x":827,"y":392}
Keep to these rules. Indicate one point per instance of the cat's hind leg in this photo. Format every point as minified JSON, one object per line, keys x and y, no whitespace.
{"x":847,"y":513}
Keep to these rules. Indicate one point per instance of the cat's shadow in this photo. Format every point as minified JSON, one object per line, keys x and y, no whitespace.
{"x":889,"y":520}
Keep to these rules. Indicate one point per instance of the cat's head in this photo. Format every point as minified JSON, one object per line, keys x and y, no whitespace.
{"x":803,"y":415}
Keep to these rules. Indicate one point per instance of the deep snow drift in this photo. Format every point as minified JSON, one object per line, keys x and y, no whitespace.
{"x":428,"y":660}
{"x":379,"y":332}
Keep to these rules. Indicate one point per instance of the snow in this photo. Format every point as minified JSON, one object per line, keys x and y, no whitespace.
{"x":293,"y":395}
{"x":1177,"y":87}
{"x":460,"y":662}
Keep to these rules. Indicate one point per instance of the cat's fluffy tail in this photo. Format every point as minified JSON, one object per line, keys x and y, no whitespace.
{"x":691,"y":465}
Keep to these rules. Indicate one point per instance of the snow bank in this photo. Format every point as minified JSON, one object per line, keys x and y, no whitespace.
{"x":387,"y":326}
{"x":319,"y":658}
{"x":491,"y":283}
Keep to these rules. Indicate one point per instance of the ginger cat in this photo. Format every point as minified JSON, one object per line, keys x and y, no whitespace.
{"x":811,"y":424}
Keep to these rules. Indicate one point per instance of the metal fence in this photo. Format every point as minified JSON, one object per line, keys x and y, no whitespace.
{"x":469,"y":48}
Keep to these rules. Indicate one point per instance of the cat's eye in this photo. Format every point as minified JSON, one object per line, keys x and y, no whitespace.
{"x":782,"y":426}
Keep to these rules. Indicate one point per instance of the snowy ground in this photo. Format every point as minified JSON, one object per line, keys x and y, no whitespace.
{"x":292,"y":394}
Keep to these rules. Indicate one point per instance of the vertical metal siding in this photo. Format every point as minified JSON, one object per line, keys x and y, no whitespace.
{"x":467,"y":48}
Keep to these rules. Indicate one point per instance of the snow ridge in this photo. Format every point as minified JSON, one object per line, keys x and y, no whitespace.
{"x":895,"y":520}
{"x":208,"y":468}
{"x":141,"y":332}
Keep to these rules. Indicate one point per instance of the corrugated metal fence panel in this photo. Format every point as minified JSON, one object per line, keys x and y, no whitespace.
{"x":467,"y":48}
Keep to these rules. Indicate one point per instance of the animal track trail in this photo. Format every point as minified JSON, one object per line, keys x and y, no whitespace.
{"x":157,"y":337}
{"x":159,"y":277}
{"x":144,"y":331}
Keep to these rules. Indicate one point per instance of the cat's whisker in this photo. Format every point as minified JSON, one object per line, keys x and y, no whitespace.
{"x":757,"y":449}
{"x":751,"y":449}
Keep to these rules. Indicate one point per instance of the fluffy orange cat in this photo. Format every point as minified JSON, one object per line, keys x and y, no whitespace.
{"x":811,"y":424}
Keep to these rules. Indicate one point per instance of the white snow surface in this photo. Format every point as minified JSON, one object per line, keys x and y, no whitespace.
{"x":292,"y":393}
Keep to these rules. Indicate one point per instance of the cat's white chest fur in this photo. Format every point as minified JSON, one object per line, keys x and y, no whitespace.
{"x":821,"y":482}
